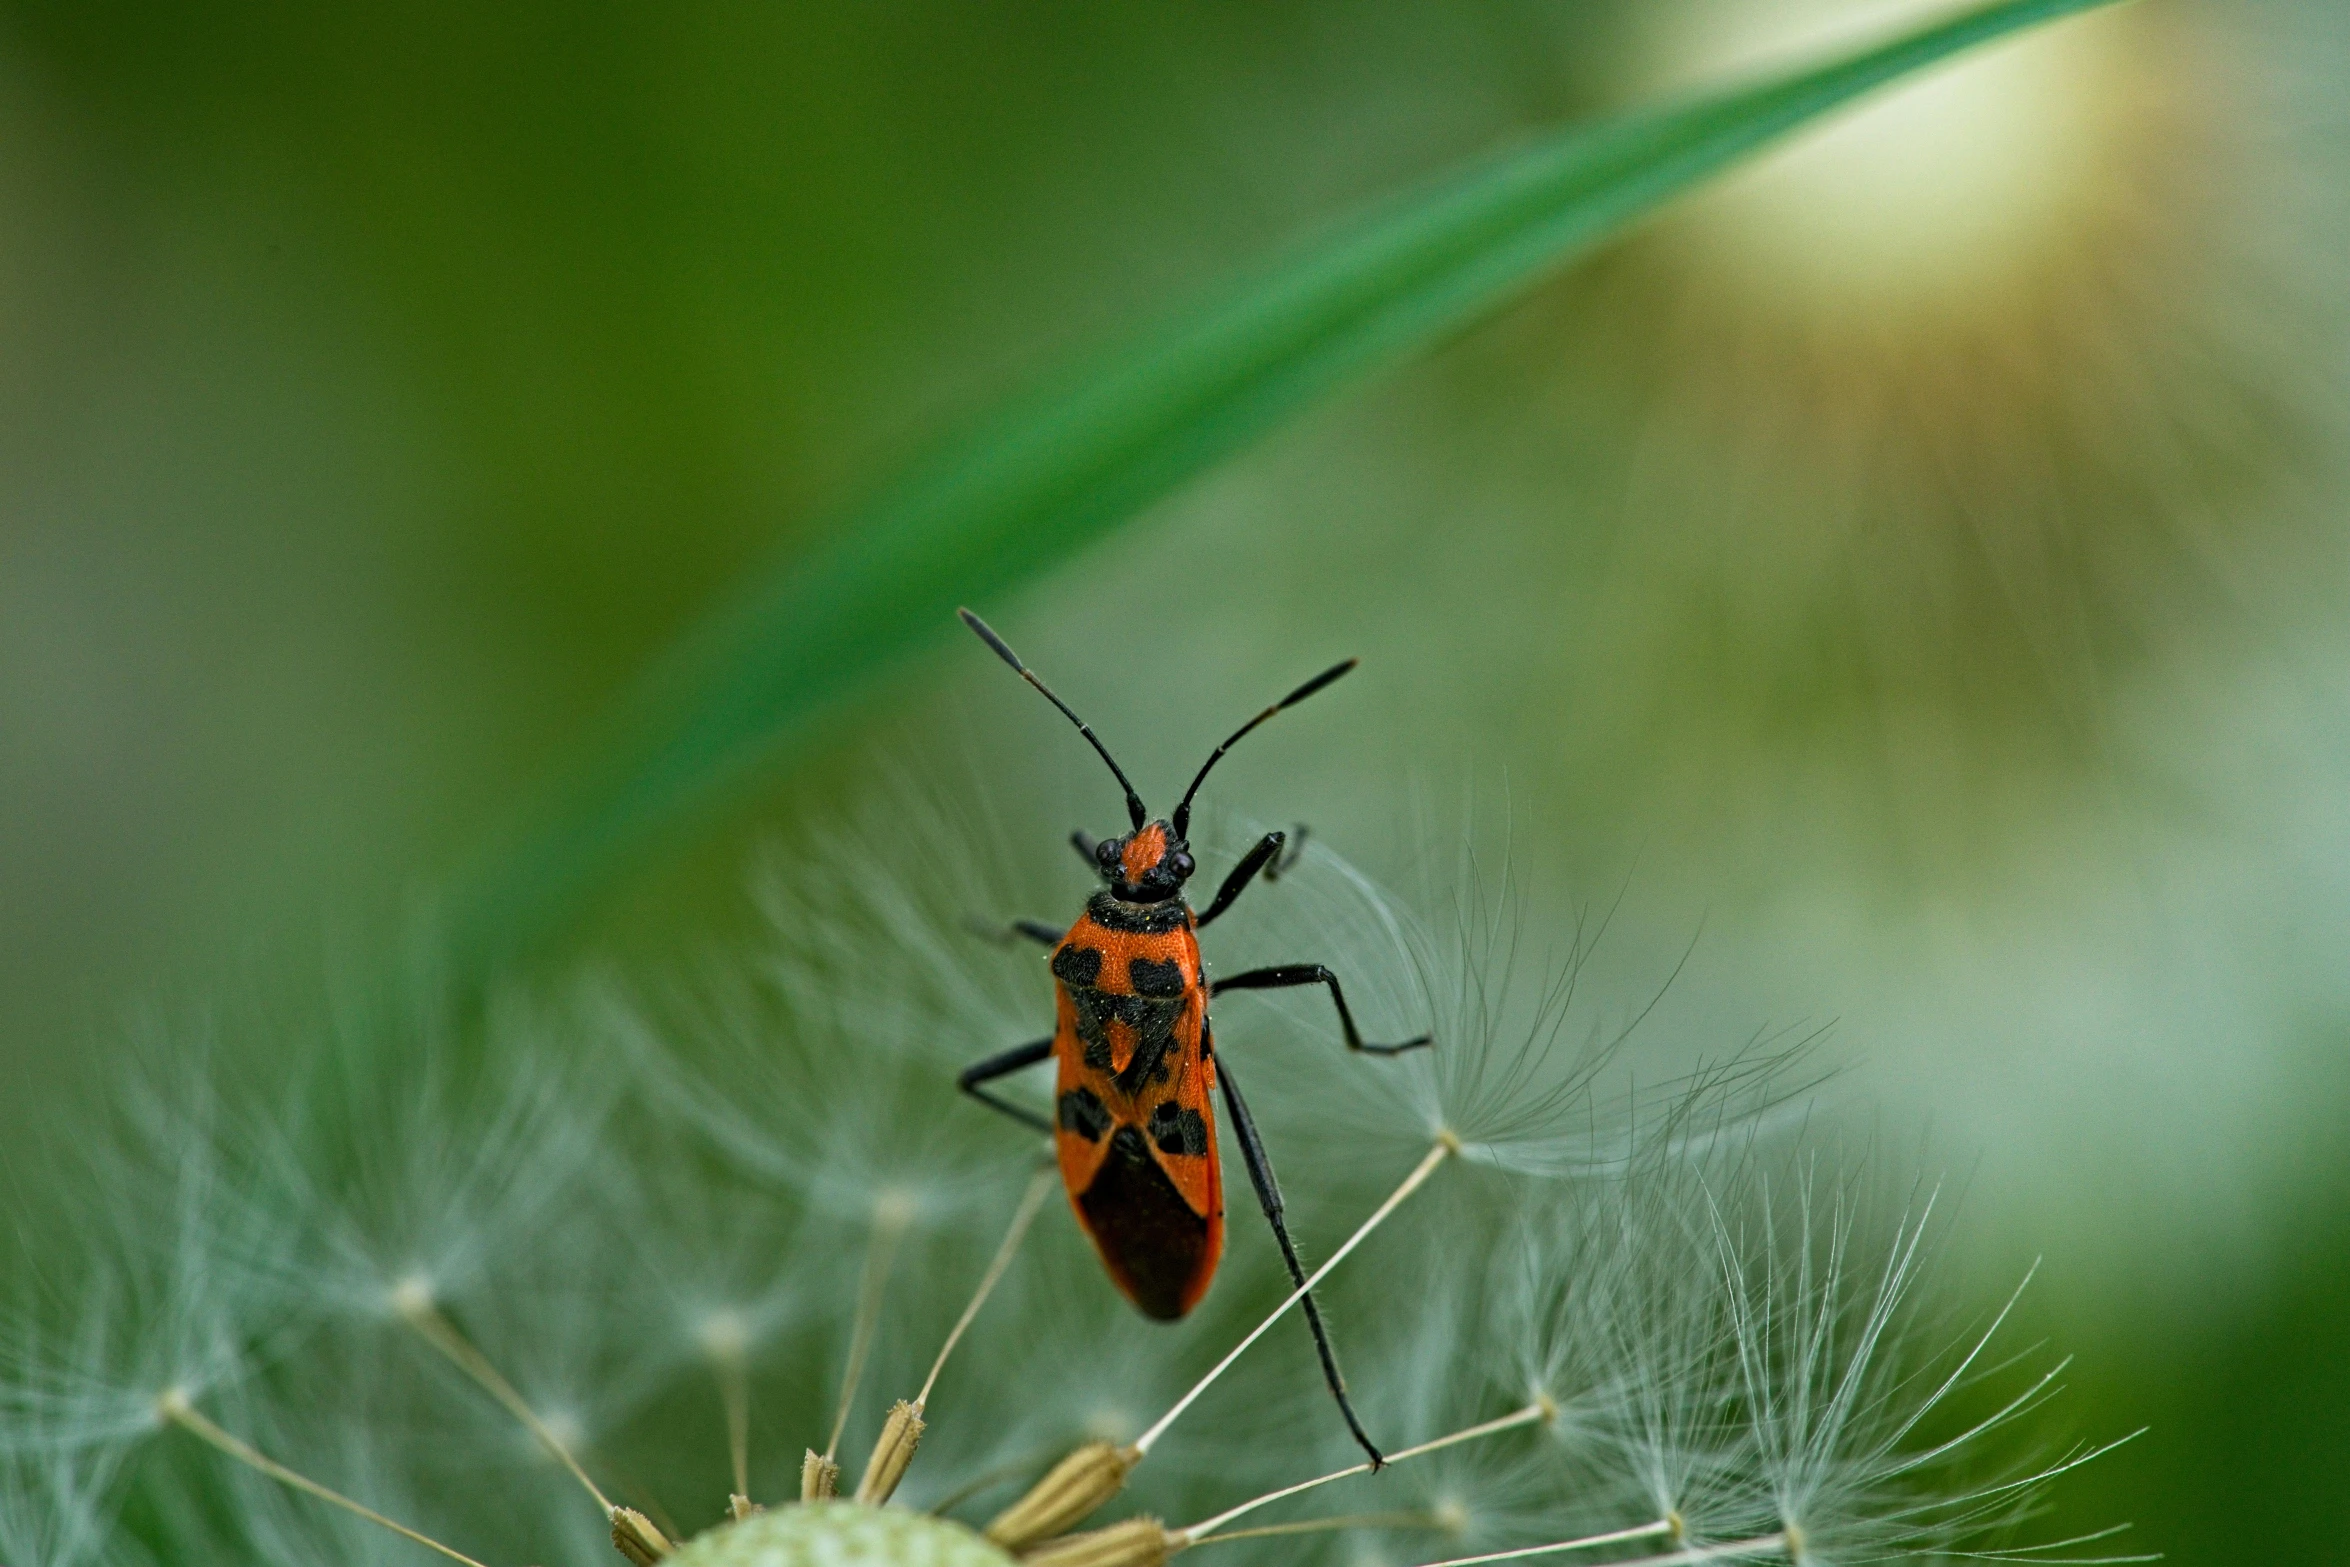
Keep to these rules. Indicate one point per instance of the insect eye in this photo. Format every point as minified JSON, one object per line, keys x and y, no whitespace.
{"x":1180,"y":863}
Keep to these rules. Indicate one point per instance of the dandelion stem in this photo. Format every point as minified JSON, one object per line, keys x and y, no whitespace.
{"x":1030,"y":1201}
{"x":174,"y":1407}
{"x":1320,"y":1525}
{"x":1445,"y":1147}
{"x":891,"y":1215}
{"x":1510,"y":1422}
{"x":1761,"y":1545}
{"x":437,"y":1330}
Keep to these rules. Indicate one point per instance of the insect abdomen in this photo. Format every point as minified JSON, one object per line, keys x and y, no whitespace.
{"x":1154,"y":1243}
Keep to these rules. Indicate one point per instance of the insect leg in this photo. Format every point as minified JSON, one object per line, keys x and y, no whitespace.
{"x":1267,"y":849}
{"x":1260,"y":1175}
{"x":996,"y":1066}
{"x":1283,"y":975}
{"x":1004,"y":935}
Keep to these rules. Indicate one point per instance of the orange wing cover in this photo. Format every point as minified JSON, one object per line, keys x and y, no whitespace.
{"x":1136,"y":1127}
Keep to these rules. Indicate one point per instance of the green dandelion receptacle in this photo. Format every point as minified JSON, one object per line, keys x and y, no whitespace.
{"x":839,"y":1534}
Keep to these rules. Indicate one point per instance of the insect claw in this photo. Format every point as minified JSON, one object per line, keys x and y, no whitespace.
{"x":1286,"y":861}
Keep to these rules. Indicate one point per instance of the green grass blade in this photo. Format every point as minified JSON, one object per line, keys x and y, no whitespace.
{"x":1039,"y":483}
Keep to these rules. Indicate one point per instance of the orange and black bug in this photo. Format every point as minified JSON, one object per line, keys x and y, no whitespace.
{"x":1134,"y":1125}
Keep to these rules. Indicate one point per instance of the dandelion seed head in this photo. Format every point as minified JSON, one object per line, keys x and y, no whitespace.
{"x":672,"y":1227}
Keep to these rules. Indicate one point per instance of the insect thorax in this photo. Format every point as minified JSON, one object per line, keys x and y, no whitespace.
{"x":1138,"y":919}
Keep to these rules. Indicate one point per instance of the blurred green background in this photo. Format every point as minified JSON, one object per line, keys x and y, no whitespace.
{"x":1917,"y":562}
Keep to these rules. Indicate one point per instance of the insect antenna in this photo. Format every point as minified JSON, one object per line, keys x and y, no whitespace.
{"x":1133,"y":801}
{"x":1181,"y":820}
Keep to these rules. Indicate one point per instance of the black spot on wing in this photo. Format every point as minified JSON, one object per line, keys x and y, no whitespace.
{"x":1095,"y":1012}
{"x":1178,"y":1130}
{"x":1082,"y":1112}
{"x":1153,"y":977}
{"x":1150,"y":1237}
{"x":1073,"y":965}
{"x":1153,"y":1022}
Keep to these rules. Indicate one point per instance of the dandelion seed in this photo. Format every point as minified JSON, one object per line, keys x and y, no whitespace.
{"x":1039,"y":1187}
{"x":634,"y":1537}
{"x":1428,"y":1520}
{"x":819,"y":1477}
{"x":1446,"y":1147}
{"x":1765,"y":1545}
{"x":420,"y":1313}
{"x":892,"y":1212}
{"x":1531,"y":1414}
{"x":902,"y":1432}
{"x":1069,"y":1494}
{"x":173,"y":1406}
{"x":726,"y":1340}
{"x":855,"y":953}
{"x":1137,"y":1542}
{"x":423,"y":1171}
